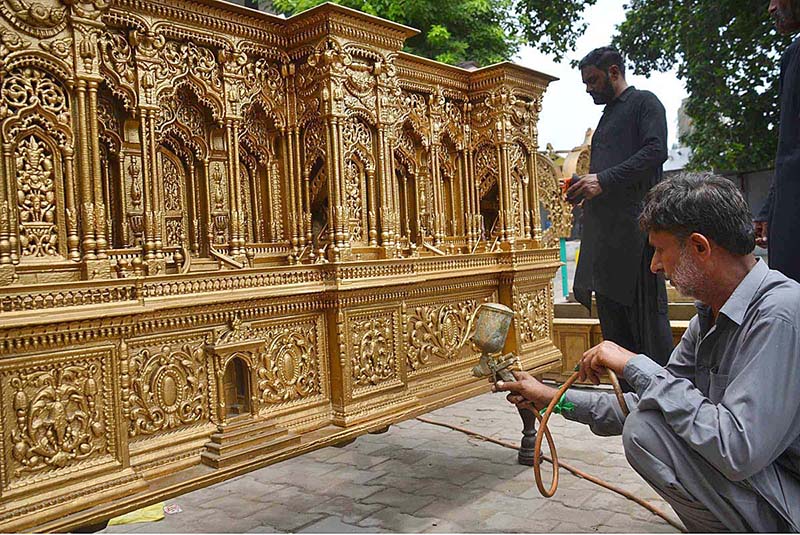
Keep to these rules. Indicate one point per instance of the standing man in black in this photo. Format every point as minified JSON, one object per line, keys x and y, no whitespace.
{"x":628,"y":148}
{"x":778,"y":224}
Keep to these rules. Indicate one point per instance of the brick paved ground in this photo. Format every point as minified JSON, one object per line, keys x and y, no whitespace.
{"x":422,"y":478}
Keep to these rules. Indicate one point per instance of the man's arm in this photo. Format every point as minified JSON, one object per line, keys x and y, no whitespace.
{"x":653,"y":150}
{"x":601,"y":411}
{"x":756,"y":419}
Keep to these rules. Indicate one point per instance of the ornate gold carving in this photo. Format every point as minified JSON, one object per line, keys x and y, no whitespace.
{"x":39,"y":18}
{"x":552,"y":198}
{"x":27,"y":88}
{"x":290,"y":367}
{"x":180,"y":59}
{"x":168,"y":388}
{"x":190,"y":137}
{"x":436,"y":331}
{"x":59,"y":416}
{"x":374,"y":358}
{"x":36,"y":198}
{"x":533,"y":313}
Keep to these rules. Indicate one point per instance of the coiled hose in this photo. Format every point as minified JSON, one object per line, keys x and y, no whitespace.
{"x":543,"y":432}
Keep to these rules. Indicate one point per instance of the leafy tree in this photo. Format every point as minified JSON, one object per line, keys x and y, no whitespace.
{"x":484,"y":31}
{"x":728,"y":53}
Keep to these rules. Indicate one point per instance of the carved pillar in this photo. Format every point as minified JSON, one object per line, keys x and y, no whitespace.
{"x":73,"y":240}
{"x":296,"y":194}
{"x":372,"y":210}
{"x":84,"y":174}
{"x":151,"y":190}
{"x":465,"y":175}
{"x":535,"y":107}
{"x":5,"y":215}
{"x":533,"y":193}
{"x":438,"y":205}
{"x":196,"y":204}
{"x":338,"y":212}
{"x":209,"y":203}
{"x":505,"y":182}
{"x":101,"y":213}
{"x":291,"y":164}
{"x":236,"y":231}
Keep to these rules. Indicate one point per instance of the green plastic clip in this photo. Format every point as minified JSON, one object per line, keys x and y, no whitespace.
{"x":562,"y":406}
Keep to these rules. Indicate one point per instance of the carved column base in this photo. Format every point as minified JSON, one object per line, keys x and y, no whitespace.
{"x":525,"y":455}
{"x":96,"y":269}
{"x":7,"y":275}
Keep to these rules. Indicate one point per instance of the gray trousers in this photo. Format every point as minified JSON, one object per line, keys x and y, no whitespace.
{"x":704,"y":499}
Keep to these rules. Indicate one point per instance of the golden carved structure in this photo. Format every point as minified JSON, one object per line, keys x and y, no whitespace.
{"x":228,"y":238}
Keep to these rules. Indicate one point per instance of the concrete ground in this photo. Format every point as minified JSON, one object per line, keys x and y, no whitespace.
{"x":420,"y":478}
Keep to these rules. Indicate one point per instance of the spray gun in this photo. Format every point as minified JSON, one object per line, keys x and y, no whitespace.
{"x":491,"y":324}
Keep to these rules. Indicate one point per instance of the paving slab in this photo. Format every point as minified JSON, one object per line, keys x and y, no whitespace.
{"x":421,"y":478}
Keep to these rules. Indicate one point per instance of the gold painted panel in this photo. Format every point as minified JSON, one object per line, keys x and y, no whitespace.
{"x":169,"y":385}
{"x":57,"y":414}
{"x":293,"y":367}
{"x":372,"y":347}
{"x":533,"y":309}
{"x":435,"y":330}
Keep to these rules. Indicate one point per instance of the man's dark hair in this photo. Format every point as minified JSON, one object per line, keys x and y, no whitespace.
{"x":704,"y":203}
{"x":603,"y":58}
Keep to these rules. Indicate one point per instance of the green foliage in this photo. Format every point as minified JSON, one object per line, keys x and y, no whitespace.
{"x":728,"y":53}
{"x":484,"y":31}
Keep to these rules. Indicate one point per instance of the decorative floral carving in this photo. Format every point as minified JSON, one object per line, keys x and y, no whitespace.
{"x":314,"y":144}
{"x":29,"y":87}
{"x":486,"y":168}
{"x":373,"y":354}
{"x":237,"y":331}
{"x":58,"y":416}
{"x":36,"y":198}
{"x":359,"y":160}
{"x":169,"y":388}
{"x":437,"y":331}
{"x":173,"y":195}
{"x":289,"y":367}
{"x":265,"y":82}
{"x":533,"y":314}
{"x":183,"y":58}
{"x":36,"y":17}
{"x":10,"y":42}
{"x":175,"y":232}
{"x":353,"y":179}
{"x":558,"y":210}
{"x":116,"y":55}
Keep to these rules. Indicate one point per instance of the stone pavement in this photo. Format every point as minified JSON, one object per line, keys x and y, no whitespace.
{"x":419,"y":478}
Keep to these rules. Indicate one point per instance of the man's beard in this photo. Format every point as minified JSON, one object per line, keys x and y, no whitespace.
{"x":606,"y":95}
{"x":686,"y":278}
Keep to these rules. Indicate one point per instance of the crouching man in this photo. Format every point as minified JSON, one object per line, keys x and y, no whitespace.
{"x":717,"y":431}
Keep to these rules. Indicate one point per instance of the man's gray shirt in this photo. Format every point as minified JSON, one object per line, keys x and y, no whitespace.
{"x":731,"y":390}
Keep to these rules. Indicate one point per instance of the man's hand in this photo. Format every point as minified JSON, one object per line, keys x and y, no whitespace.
{"x":524,"y":390}
{"x":603,"y":356}
{"x":761,"y":233}
{"x":586,"y":188}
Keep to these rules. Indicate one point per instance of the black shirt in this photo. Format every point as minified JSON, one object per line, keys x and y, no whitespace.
{"x":628,"y":149}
